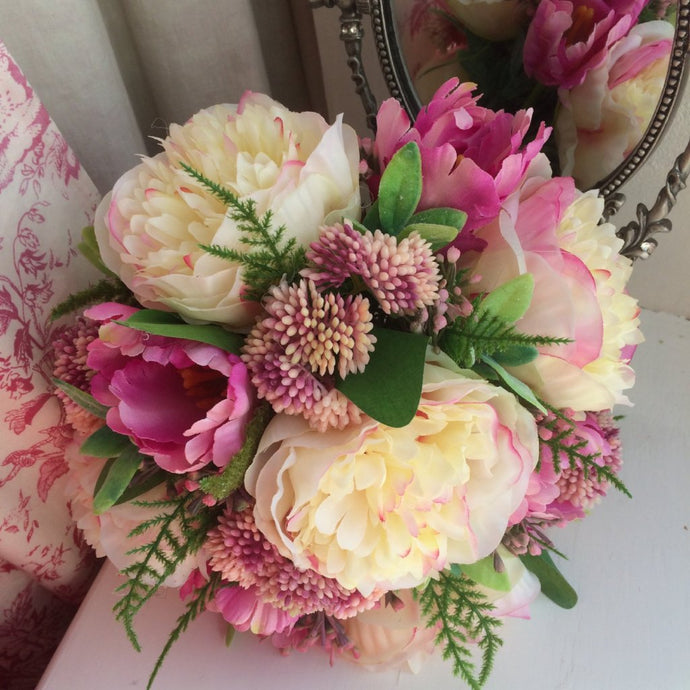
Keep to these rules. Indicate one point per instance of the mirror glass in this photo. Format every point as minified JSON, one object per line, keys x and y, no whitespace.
{"x":594,"y":70}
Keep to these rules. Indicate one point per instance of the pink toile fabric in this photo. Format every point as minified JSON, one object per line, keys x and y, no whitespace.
{"x":45,"y":201}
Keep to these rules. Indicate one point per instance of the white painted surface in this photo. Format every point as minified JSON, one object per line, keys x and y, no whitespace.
{"x":628,"y":560}
{"x":660,"y":283}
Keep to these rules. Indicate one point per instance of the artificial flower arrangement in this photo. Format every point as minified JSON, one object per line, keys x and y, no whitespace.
{"x":346,"y":416}
{"x":594,"y":69}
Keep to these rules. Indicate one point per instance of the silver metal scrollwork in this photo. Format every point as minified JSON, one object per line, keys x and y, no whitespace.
{"x":351,"y":33}
{"x":637,"y":236}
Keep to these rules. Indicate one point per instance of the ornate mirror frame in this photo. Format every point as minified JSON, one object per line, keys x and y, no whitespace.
{"x":637,"y":236}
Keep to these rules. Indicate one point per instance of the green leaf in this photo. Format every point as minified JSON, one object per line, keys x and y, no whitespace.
{"x":105,"y":443}
{"x":400,"y":188}
{"x":136,"y":488}
{"x":82,"y":398}
{"x":90,"y":250}
{"x":359,"y":227}
{"x":511,"y":300}
{"x":372,"y":221}
{"x":484,"y":573}
{"x":170,"y":325}
{"x":516,"y":355}
{"x":118,"y":475}
{"x":441,"y":216}
{"x":553,"y":584}
{"x":522,"y":390}
{"x":438,"y":236}
{"x":390,"y":387}
{"x":103,"y":475}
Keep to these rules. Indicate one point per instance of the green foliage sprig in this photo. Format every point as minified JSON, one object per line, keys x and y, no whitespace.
{"x":106,"y":290}
{"x":221,"y":484}
{"x":575,"y":452}
{"x":195,"y":606}
{"x":467,"y":339}
{"x":464,"y":615}
{"x":177,"y":534}
{"x":270,"y":257}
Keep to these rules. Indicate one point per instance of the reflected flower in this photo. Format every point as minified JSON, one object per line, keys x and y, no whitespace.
{"x":604,"y":118}
{"x":565,"y":39}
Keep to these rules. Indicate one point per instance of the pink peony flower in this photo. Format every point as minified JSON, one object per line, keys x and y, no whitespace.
{"x":184,"y":403}
{"x":380,"y":507}
{"x":551,"y":231}
{"x":472,"y":157}
{"x":245,"y":610}
{"x":566,"y":39}
{"x":603,"y":119}
{"x":390,"y":637}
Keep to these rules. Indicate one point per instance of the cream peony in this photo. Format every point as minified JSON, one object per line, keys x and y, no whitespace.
{"x":150,"y":226}
{"x":388,"y":637}
{"x":380,"y":507}
{"x":552,"y":231}
{"x":599,"y":380}
{"x":108,"y":532}
{"x":524,"y":589}
{"x":602,"y":120}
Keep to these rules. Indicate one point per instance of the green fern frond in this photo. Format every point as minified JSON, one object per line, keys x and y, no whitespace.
{"x":574,"y":452}
{"x":224,"y":195}
{"x":195,"y":606}
{"x":270,"y":258}
{"x":464,"y":617}
{"x":467,"y":339}
{"x":177,"y":534}
{"x":105,"y":290}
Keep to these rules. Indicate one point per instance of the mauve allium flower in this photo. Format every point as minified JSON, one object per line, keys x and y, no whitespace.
{"x":184,"y":403}
{"x":561,"y":491}
{"x":565,"y":39}
{"x":401,"y":274}
{"x":151,"y":226}
{"x":70,"y":348}
{"x":472,"y":157}
{"x":241,"y":554}
{"x":380,"y":507}
{"x":305,"y":338}
{"x":579,"y":488}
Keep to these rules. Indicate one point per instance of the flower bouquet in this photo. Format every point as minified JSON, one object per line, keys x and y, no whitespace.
{"x":340,"y":391}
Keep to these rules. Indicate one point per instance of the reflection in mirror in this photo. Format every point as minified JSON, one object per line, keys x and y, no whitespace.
{"x":594,"y":71}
